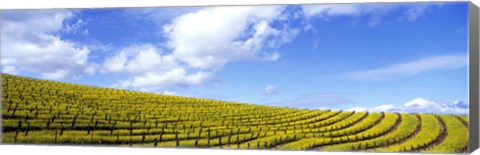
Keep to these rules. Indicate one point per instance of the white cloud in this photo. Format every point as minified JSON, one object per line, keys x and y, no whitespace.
{"x":417,"y":11}
{"x":376,"y":11}
{"x":232,"y":33}
{"x":270,"y":89}
{"x":149,"y":69}
{"x":59,"y":74}
{"x":331,"y":10}
{"x":75,"y":27}
{"x":411,"y":68}
{"x":166,"y":92}
{"x":357,"y":109}
{"x":274,"y":56}
{"x":421,"y":105}
{"x":159,"y":15}
{"x":385,"y":107}
{"x":154,"y":81}
{"x":101,"y":47}
{"x":29,"y":43}
{"x":85,"y":32}
{"x":9,"y":70}
{"x":316,"y":100}
{"x":327,"y":11}
{"x":138,"y":59}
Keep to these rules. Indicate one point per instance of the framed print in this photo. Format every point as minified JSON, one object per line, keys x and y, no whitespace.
{"x":357,"y":77}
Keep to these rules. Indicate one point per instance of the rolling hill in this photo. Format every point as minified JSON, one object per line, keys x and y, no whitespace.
{"x":38,"y":111}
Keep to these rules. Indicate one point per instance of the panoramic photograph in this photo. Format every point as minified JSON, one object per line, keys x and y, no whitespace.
{"x":370,"y":77}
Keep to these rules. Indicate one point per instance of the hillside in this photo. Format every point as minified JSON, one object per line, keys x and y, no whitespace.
{"x":47,"y":112}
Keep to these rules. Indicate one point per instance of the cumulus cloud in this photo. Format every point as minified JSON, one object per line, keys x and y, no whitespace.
{"x":137,"y":59}
{"x":30,"y":43}
{"x":152,"y":81}
{"x":270,"y":89}
{"x":149,"y":69}
{"x":411,"y":68}
{"x":421,"y":105}
{"x":231,"y":34}
{"x":195,"y":53}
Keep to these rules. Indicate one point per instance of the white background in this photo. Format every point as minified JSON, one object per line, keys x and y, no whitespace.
{"x":82,"y":150}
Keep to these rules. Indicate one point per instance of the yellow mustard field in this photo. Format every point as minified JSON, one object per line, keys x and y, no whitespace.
{"x":47,"y":112}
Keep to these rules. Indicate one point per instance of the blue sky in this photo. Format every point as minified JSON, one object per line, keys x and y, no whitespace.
{"x":407,"y":57}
